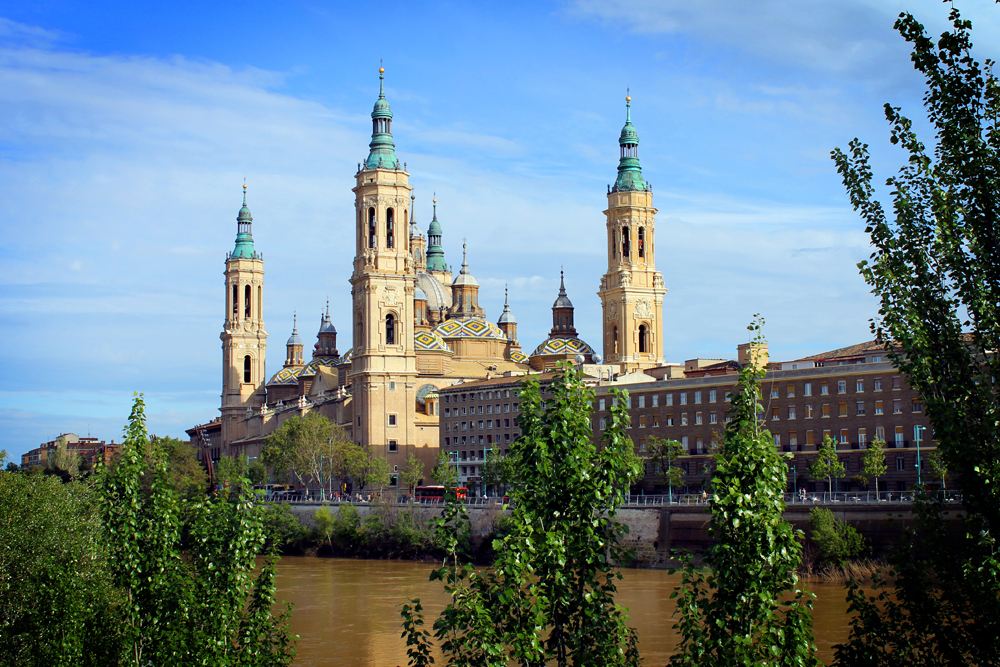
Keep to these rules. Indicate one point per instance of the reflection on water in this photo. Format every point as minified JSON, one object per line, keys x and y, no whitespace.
{"x":347,"y":611}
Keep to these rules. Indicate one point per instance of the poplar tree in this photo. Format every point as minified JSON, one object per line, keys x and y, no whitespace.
{"x":935,"y":268}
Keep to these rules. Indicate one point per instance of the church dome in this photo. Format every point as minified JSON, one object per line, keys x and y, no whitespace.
{"x":428,"y":341}
{"x":563,"y":346}
{"x":286,"y":376}
{"x":468,"y":327}
{"x":419,"y":294}
{"x":434,"y":291}
{"x":465,"y":276}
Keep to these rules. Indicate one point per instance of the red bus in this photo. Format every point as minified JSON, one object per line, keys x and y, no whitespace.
{"x":435,"y":494}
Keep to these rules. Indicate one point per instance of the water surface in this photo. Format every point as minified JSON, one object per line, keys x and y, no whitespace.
{"x":347,"y":611}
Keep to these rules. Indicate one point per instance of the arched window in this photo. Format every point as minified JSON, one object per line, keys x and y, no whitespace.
{"x":247,"y":370}
{"x":642,"y":338}
{"x":614,"y":332}
{"x":246,"y":303}
{"x":236,"y":301}
{"x":642,"y":242}
{"x":372,"y":241}
{"x":260,"y":301}
{"x":614,"y":244}
{"x":390,"y":330}
{"x":626,"y":244}
{"x":389,"y":229}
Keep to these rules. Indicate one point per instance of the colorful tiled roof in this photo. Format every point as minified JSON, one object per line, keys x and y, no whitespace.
{"x":284,"y":377}
{"x":346,"y":359}
{"x":518,"y":357}
{"x":562,"y":346}
{"x":468,"y":327}
{"x":428,"y":341}
{"x":313,"y":365}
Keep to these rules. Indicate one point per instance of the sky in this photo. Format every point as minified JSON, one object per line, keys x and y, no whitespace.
{"x":127,"y":129}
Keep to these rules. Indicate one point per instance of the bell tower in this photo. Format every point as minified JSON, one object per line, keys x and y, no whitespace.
{"x":632,"y":289}
{"x":244,"y":339}
{"x":384,"y":365}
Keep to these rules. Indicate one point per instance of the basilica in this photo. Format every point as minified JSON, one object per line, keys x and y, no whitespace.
{"x":415,"y":328}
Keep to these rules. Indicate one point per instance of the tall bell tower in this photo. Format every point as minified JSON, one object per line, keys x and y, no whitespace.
{"x":244,"y":339}
{"x":632,"y":290}
{"x":384,"y":365}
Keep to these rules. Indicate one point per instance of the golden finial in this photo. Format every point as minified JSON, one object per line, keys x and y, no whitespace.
{"x":381,"y":70}
{"x":628,"y":97}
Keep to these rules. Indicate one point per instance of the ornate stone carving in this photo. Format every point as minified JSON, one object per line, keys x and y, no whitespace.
{"x":643,"y":310}
{"x":658,"y":280}
{"x":612,"y":311}
{"x":389,"y":296}
{"x":624,"y":278}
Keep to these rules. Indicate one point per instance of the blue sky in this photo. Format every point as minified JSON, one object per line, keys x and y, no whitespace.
{"x":126,"y":130}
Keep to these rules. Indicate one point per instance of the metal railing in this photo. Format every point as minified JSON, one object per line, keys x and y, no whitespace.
{"x":793,"y":499}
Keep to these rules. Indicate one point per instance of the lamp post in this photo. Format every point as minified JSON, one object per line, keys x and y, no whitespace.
{"x":917,"y":431}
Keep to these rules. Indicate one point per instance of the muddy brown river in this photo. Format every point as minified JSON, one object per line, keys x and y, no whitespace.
{"x":347,"y":611}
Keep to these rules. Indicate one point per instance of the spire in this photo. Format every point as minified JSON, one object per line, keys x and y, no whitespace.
{"x":244,"y":239}
{"x":435,"y":253}
{"x":294,"y":339}
{"x":629,"y":171}
{"x":506,"y":317}
{"x":562,"y":301}
{"x":465,"y":276}
{"x":326,"y":325}
{"x":414,"y":230}
{"x":382,"y":154}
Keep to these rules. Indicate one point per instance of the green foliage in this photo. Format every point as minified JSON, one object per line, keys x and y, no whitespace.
{"x":873,"y":463}
{"x":837,"y":541}
{"x":311,"y":448}
{"x":549,"y":597}
{"x":185,"y":472}
{"x":184,"y":607}
{"x":938,"y":467}
{"x":665,"y":454}
{"x":57,"y":606}
{"x":413,"y":472}
{"x":497,"y":471}
{"x":64,"y":462}
{"x":934,"y":270}
{"x":282,"y":531}
{"x":748,"y":608}
{"x":443,"y":472}
{"x":387,"y":532}
{"x":827,"y":465}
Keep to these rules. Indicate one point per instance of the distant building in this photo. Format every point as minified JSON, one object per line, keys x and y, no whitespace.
{"x":91,"y":450}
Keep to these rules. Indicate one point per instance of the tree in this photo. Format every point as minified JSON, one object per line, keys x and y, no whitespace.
{"x":827,"y":465}
{"x":443,"y":472}
{"x":201,"y":605}
{"x":307,"y":447}
{"x":497,"y":471}
{"x":64,"y":461}
{"x":230,"y":471}
{"x":549,"y":597}
{"x":665,"y":453}
{"x":934,"y":271}
{"x":368,"y":469}
{"x":938,"y":469}
{"x":413,"y":472}
{"x":186,"y":473}
{"x":838,"y":541}
{"x":748,"y":608}
{"x":873,"y":463}
{"x":57,"y":606}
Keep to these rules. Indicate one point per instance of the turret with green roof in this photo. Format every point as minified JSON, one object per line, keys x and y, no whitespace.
{"x":383,"y":150}
{"x":435,"y":253}
{"x":244,"y":239}
{"x":629,"y":171}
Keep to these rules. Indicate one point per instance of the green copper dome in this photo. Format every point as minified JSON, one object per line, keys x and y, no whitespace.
{"x":435,"y":253}
{"x":382,"y":153}
{"x":629,"y":171}
{"x":244,"y":239}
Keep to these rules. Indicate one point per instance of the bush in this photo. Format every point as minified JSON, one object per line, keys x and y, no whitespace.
{"x":384,"y":533}
{"x":837,"y":541}
{"x":281,"y":529}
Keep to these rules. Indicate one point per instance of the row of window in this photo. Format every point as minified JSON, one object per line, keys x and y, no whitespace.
{"x":483,"y":409}
{"x":471,"y":425}
{"x":471,"y":396}
{"x":712,"y":395}
{"x":483,"y":440}
{"x":860,"y":409}
{"x":920,"y":433}
{"x":474,"y":454}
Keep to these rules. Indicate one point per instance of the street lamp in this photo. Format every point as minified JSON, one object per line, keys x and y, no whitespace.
{"x":917,"y":431}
